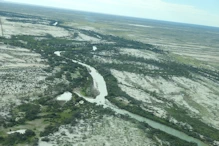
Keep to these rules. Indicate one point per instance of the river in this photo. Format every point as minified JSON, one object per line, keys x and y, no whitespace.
{"x":100,"y":85}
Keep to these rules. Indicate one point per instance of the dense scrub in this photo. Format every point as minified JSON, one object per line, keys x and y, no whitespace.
{"x":16,"y":138}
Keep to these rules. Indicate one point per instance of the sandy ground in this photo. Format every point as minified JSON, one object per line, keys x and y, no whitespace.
{"x":133,"y":85}
{"x":94,"y":48}
{"x":194,"y":96}
{"x":21,"y":75}
{"x":83,"y":37}
{"x":18,"y":28}
{"x":65,"y":96}
{"x":198,"y":97}
{"x":22,"y":131}
{"x":139,"y":53}
{"x":109,"y":131}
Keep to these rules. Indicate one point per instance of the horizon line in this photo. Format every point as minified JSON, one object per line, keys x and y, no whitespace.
{"x":127,"y":16}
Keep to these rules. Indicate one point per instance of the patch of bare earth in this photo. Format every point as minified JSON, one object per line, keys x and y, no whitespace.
{"x":21,"y":75}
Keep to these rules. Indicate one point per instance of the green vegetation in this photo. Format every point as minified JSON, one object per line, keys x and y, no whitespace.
{"x":16,"y":138}
{"x":180,"y":114}
{"x":169,"y":138}
{"x":30,"y":110}
{"x":57,"y":113}
{"x":176,"y":112}
{"x":198,"y":127}
{"x":49,"y":129}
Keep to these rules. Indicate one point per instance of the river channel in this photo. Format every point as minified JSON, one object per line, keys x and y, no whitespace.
{"x":100,"y":85}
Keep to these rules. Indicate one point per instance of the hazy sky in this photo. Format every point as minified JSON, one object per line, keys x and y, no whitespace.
{"x":205,"y":12}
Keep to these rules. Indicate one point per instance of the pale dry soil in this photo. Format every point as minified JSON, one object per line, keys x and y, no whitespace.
{"x":21,"y":76}
{"x":83,"y":37}
{"x":176,"y":40}
{"x":139,"y":53}
{"x":19,"y":28}
{"x":198,"y":97}
{"x":108,"y":131}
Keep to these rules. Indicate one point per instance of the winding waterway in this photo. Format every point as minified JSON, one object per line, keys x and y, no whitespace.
{"x":100,"y":85}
